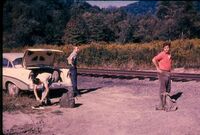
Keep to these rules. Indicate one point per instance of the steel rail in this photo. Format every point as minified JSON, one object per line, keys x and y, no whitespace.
{"x":138,"y":74}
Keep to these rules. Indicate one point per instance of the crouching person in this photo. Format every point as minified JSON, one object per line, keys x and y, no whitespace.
{"x":41,"y":85}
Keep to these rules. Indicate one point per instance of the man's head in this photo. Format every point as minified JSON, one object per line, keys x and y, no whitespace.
{"x":55,"y":65}
{"x":36,"y":81}
{"x":76,"y":49}
{"x":166,"y":47}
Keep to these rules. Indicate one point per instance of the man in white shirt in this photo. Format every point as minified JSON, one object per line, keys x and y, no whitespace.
{"x":41,"y":84}
{"x":72,"y":61}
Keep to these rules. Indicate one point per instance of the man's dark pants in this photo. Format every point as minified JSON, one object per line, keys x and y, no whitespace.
{"x":73,"y":72}
{"x":165,"y":86}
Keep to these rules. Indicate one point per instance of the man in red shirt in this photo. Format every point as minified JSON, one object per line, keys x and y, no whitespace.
{"x":163,"y":63}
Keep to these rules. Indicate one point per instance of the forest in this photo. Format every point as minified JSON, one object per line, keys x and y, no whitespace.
{"x":60,"y":22}
{"x":125,"y":38}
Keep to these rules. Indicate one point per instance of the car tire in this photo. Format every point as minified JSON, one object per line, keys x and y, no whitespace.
{"x":12,"y":89}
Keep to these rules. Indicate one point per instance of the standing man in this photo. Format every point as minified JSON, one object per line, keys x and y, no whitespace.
{"x":72,"y":60}
{"x":163,"y":63}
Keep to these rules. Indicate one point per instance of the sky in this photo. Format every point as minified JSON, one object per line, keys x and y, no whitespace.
{"x":105,"y":4}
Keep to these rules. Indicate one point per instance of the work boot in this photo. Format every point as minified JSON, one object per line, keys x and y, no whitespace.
{"x":171,"y":104}
{"x":77,"y":93}
{"x":160,"y":108}
{"x":162,"y":102}
{"x":42,"y":104}
{"x":174,"y":108}
{"x":48,"y":102}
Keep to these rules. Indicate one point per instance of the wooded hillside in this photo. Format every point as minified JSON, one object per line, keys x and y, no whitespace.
{"x":62,"y":22}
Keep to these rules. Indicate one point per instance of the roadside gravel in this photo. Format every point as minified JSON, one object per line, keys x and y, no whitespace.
{"x":113,"y":107}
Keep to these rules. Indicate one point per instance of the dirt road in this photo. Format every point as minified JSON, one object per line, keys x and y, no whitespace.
{"x":113,"y":107}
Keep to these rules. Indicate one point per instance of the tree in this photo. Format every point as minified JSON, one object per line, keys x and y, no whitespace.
{"x":75,"y":31}
{"x":34,"y":22}
{"x":97,"y":29}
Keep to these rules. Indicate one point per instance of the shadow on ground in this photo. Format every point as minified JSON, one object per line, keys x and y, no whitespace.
{"x":176,"y":95}
{"x":84,"y":91}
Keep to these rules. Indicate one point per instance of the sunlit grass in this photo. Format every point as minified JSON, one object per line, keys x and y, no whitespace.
{"x":186,"y":53}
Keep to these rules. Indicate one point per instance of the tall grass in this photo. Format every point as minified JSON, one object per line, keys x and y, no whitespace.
{"x":185,"y":53}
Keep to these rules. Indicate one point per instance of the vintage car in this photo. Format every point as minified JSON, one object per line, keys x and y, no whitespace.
{"x":18,"y":68}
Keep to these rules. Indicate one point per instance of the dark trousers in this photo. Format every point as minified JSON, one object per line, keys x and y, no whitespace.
{"x":41,"y":92}
{"x":165,"y":86}
{"x":73,"y":72}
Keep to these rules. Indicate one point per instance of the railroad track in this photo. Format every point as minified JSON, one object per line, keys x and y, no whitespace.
{"x":136,"y":74}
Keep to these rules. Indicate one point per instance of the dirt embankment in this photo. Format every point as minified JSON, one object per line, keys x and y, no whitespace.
{"x":108,"y":107}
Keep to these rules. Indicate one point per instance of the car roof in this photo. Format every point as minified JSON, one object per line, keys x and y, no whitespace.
{"x":52,"y":50}
{"x":12,"y":56}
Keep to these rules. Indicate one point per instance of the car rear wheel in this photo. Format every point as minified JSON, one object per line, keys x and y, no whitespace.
{"x":13,"y":90}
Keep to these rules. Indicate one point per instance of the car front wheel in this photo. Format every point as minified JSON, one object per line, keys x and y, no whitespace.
{"x":13,"y":90}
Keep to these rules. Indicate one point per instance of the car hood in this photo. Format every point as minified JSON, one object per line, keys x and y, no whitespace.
{"x":34,"y":58}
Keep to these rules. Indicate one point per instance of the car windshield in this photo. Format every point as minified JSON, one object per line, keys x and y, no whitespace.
{"x":17,"y":62}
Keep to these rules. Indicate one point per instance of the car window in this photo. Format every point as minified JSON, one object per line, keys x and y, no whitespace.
{"x":6,"y":63}
{"x":35,"y":58}
{"x":17,"y":61}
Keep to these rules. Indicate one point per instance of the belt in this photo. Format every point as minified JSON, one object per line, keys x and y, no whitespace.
{"x":165,"y":70}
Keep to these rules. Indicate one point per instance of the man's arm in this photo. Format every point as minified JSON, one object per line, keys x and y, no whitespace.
{"x":71,"y":58}
{"x":35,"y":92}
{"x":155,"y":62}
{"x":172,"y":67}
{"x":46,"y":92}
